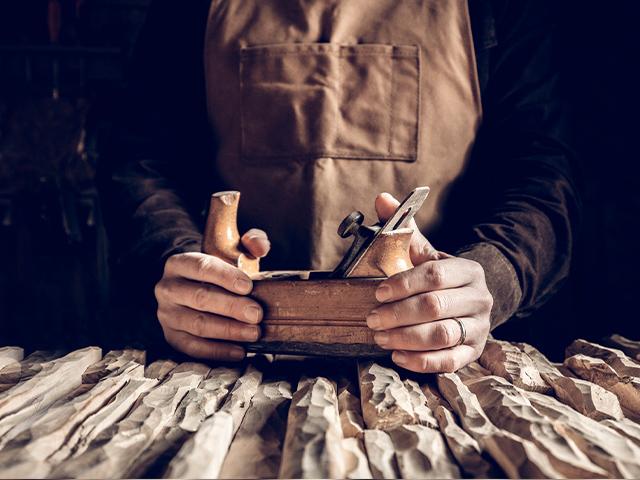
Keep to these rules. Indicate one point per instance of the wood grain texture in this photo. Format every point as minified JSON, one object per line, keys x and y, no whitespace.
{"x":349,"y":409}
{"x":385,"y":400}
{"x":509,"y":409}
{"x":113,"y":412}
{"x":27,"y":453}
{"x":51,"y":430}
{"x":585,"y":397}
{"x":14,"y":373}
{"x":198,"y":404}
{"x":205,"y":400}
{"x":509,"y":362}
{"x":463,"y":446}
{"x":56,"y":378}
{"x":192,"y":421}
{"x":107,"y":417}
{"x":597,"y":371}
{"x":420,"y":449}
{"x":604,"y":446}
{"x":202,"y":455}
{"x":388,"y":255}
{"x":10,"y":356}
{"x":355,"y":458}
{"x":262,"y":433}
{"x":319,"y":302}
{"x":625,"y":427}
{"x":421,"y":452}
{"x":630,"y":347}
{"x":518,"y":457}
{"x":421,"y":409}
{"x":615,"y":358}
{"x":113,"y":363}
{"x":160,"y":369}
{"x":313,"y":443}
{"x":540,"y":361}
{"x":205,"y":451}
{"x":381,"y":454}
{"x":311,"y":317}
{"x":134,"y":434}
{"x":221,"y":237}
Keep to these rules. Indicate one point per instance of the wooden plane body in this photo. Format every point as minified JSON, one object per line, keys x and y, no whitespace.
{"x":309,"y":313}
{"x":317,"y":312}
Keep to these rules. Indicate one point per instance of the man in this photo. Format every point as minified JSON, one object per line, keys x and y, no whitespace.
{"x":312,"y":109}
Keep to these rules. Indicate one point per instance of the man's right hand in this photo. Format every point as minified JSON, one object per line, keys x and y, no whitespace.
{"x":202,"y":302}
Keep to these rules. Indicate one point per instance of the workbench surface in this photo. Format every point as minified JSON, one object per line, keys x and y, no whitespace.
{"x":512,"y":414}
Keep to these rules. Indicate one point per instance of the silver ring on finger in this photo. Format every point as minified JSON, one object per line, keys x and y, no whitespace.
{"x":463,"y":331}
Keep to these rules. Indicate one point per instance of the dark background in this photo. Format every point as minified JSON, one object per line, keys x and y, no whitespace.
{"x":56,"y":84}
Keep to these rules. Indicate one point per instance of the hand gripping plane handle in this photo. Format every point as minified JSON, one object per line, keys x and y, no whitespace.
{"x":221,"y":236}
{"x":381,"y":249}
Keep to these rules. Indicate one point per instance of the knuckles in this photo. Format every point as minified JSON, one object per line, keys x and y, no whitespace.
{"x":227,"y":331}
{"x":198,"y":325}
{"x":477,"y":271}
{"x":170,"y":264}
{"x":164,"y":290}
{"x":477,"y":352}
{"x":159,"y":290}
{"x":204,"y":266}
{"x":162,"y":316}
{"x":443,"y":335}
{"x":168,"y":337}
{"x":434,"y":274}
{"x":433,"y":304}
{"x":396,"y":314}
{"x":403,"y":286}
{"x":200,"y":298}
{"x":488,"y":300}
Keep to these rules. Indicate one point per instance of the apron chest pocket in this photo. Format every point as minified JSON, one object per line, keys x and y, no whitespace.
{"x":306,"y":101}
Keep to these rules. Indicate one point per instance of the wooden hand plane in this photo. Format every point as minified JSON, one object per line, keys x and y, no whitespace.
{"x":314,"y":312}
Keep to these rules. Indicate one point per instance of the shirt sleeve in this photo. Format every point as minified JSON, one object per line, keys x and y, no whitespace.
{"x":150,"y":174}
{"x":520,"y":198}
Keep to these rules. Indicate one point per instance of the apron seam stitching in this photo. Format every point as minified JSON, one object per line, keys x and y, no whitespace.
{"x":391,"y":99}
{"x":338,"y":115}
{"x":416,"y":138}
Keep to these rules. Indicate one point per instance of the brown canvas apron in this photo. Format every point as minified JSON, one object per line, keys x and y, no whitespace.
{"x":319,"y":105}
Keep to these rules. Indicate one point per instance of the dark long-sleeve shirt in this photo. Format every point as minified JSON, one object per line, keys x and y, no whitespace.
{"x":514,"y":211}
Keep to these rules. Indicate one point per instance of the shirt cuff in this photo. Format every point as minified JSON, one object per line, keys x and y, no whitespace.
{"x":501,"y":279}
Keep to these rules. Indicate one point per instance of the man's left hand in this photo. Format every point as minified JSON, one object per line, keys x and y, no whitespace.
{"x":422,"y":307}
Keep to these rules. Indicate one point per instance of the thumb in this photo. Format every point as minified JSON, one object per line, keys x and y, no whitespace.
{"x":420,"y":249}
{"x":256,"y":242}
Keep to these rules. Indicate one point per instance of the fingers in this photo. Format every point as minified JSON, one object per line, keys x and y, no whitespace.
{"x":206,"y":325}
{"x":201,"y":297}
{"x":420,"y":249}
{"x":208,"y":298}
{"x":448,"y":360}
{"x":429,"y":336}
{"x":207,"y":268}
{"x":428,"y":307}
{"x":201,"y":348}
{"x":386,"y":205}
{"x":449,"y":272}
{"x":256,"y":242}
